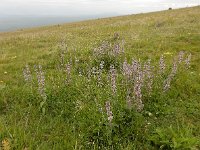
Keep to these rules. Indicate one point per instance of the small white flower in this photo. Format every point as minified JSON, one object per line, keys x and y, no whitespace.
{"x":150,"y":114}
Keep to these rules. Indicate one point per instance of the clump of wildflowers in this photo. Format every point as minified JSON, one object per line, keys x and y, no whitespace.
{"x":116,"y":49}
{"x":138,"y":90}
{"x":102,"y":65}
{"x":89,"y":74}
{"x":135,"y":68}
{"x":102,"y":50}
{"x":180,"y":56}
{"x":113,"y":79}
{"x":41,"y":81}
{"x":167,"y":82}
{"x":149,"y":75}
{"x":109,"y":112}
{"x":127,"y":70}
{"x":161,"y":65}
{"x":27,"y":74}
{"x":187,"y":61}
{"x":107,"y":49}
{"x":135,"y":74}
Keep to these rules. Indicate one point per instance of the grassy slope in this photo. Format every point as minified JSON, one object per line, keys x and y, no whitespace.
{"x":145,"y":35}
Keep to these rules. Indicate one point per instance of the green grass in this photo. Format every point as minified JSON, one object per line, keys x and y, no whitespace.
{"x":69,"y":118}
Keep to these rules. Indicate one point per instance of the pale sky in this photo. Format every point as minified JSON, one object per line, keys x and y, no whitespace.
{"x":87,"y":7}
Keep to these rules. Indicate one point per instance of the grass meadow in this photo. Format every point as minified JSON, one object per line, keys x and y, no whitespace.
{"x":128,"y":83}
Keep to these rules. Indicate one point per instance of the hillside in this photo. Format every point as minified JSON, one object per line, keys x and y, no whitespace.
{"x":73,"y":86}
